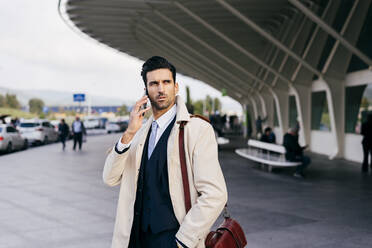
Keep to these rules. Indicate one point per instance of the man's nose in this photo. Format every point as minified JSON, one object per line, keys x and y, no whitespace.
{"x":161,"y":87}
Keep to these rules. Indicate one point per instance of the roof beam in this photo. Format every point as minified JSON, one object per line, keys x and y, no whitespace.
{"x":118,"y":2}
{"x":310,"y":43}
{"x":230,"y":41}
{"x":291,"y":45}
{"x":272,"y":50}
{"x":337,"y":43}
{"x":328,"y":29}
{"x":195,"y":53}
{"x":184,"y":55}
{"x":284,"y":33}
{"x":206,"y":45}
{"x":212,"y":81}
{"x":267,"y":35}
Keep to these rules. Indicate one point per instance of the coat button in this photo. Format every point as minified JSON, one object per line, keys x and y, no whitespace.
{"x":136,"y":213}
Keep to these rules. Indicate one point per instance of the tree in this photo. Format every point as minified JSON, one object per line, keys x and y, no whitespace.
{"x":123,"y":110}
{"x":11,"y":101}
{"x":198,"y":107}
{"x":217,"y":105}
{"x":364,"y":104}
{"x":209,"y":104}
{"x":189,"y":105}
{"x":36,"y":105}
{"x":2,"y":101}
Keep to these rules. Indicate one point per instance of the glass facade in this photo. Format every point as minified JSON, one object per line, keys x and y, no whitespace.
{"x":358,"y":103}
{"x":319,"y":112}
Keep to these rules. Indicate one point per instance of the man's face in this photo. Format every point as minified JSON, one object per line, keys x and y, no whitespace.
{"x":161,"y":88}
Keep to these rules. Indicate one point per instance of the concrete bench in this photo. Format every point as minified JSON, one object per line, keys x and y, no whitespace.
{"x":222,"y":141}
{"x":272,"y":155}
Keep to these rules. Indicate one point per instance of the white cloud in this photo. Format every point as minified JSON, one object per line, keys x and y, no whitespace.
{"x":39,"y":51}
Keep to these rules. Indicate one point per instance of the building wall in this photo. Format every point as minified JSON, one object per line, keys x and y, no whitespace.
{"x":322,"y":142}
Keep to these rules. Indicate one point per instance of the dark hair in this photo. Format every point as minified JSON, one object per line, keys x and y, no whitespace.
{"x":268,"y":129}
{"x":154,"y":63}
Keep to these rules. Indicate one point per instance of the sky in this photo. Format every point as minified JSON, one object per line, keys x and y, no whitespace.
{"x":39,"y":51}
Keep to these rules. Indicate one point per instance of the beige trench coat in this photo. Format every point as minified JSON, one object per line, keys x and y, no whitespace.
{"x":205,"y":178}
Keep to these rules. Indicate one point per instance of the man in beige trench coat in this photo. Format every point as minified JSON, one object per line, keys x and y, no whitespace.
{"x":145,"y":162}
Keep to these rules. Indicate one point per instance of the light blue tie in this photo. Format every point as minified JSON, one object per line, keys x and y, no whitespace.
{"x":154,"y":129}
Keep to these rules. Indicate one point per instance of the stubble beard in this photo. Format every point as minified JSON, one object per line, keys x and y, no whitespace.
{"x":163,"y":105}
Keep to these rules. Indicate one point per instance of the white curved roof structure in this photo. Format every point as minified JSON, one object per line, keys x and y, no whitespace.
{"x":259,"y":51}
{"x":221,"y":43}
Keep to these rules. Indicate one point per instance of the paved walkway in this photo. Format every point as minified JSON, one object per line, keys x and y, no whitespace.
{"x":50,"y":198}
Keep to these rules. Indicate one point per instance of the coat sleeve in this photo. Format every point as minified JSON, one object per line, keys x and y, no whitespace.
{"x":114,"y":166}
{"x":210,"y":184}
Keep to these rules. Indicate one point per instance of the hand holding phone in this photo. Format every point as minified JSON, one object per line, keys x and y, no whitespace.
{"x":144,"y":106}
{"x":135,"y":119}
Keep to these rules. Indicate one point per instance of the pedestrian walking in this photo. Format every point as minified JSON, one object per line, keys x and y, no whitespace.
{"x":367,"y":143}
{"x":78,"y":131}
{"x":64,"y":131}
{"x":146,"y":163}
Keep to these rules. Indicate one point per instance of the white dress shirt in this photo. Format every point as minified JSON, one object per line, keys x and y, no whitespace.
{"x":76,"y":127}
{"x":163,"y":122}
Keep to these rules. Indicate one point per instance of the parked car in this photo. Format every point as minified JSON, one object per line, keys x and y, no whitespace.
{"x":123,"y":125}
{"x":38,"y":131}
{"x":55,"y":124}
{"x":116,"y":126}
{"x":11,"y":139}
{"x":112,"y":127}
{"x":95,"y":122}
{"x":91,"y":123}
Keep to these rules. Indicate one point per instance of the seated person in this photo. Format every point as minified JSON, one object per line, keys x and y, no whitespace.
{"x":294,"y":152}
{"x":268,"y":136}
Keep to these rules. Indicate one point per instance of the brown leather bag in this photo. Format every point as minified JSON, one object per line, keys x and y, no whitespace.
{"x":229,"y":234}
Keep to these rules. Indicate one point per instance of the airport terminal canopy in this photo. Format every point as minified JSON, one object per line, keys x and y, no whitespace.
{"x":276,"y":57}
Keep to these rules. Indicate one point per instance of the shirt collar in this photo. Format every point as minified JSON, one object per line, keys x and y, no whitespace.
{"x":167,"y":117}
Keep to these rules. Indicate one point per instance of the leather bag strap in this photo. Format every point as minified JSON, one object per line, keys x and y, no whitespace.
{"x":185,"y":177}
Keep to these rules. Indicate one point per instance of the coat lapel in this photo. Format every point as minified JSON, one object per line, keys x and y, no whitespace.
{"x":174,"y":166}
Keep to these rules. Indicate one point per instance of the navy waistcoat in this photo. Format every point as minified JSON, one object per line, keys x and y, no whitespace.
{"x":153,"y":206}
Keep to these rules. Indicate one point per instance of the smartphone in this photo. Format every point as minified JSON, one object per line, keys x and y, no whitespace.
{"x":144,"y":106}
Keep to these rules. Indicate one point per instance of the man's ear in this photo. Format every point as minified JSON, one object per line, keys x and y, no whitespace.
{"x":176,"y":87}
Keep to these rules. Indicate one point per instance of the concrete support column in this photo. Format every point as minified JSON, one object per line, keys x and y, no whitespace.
{"x":254,"y":107}
{"x":250,"y":111}
{"x":336,"y":107}
{"x":268,"y":102}
{"x":263,"y":105}
{"x":254,"y":115}
{"x":282,"y":105}
{"x":245,"y":122}
{"x":303,"y":103}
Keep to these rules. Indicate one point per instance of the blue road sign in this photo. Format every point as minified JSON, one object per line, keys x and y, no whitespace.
{"x":79,"y":97}
{"x":45,"y":109}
